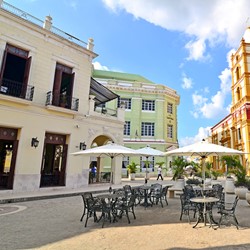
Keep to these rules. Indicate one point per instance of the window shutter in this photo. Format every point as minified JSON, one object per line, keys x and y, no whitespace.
{"x":26,"y":77}
{"x":56,"y":87}
{"x":3,"y":67}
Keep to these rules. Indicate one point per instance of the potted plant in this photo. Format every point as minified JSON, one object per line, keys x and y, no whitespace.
{"x":132,"y":168}
{"x":242,"y":183}
{"x":178,"y":169}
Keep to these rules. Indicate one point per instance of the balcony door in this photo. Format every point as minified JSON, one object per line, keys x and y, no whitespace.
{"x":63,"y":86}
{"x":14,"y":72}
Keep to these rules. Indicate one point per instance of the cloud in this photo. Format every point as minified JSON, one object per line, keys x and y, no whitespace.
{"x":202,"y":134}
{"x":97,"y":65}
{"x":196,"y":50}
{"x":215,"y":106}
{"x":187,"y":82}
{"x":205,"y":23}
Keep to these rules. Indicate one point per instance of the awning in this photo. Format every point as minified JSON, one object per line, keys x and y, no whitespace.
{"x":101,"y":93}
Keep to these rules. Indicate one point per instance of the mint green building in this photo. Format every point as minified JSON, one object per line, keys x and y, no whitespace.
{"x":150,"y":113}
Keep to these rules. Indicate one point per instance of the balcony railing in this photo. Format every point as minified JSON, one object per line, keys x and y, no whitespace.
{"x":62,"y":101}
{"x":34,"y":20}
{"x":16,"y":89}
{"x":103,"y":110}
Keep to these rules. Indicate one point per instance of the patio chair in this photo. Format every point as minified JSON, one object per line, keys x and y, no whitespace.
{"x":128,"y":190}
{"x":94,"y":206}
{"x":187,"y":206}
{"x":107,"y":211}
{"x":139,"y":195}
{"x":126,"y":207}
{"x":189,"y":191}
{"x":227,"y":212}
{"x":84,"y":197}
{"x":155,"y":194}
{"x":164,"y":193}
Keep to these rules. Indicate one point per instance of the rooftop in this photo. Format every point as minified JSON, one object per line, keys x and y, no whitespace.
{"x":104,"y":74}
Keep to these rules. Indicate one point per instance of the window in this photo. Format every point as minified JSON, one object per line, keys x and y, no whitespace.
{"x":239,"y":134}
{"x":125,"y":101}
{"x":63,"y":86}
{"x":148,"y":105}
{"x":170,"y":108}
{"x":125,"y":162}
{"x":147,"y":129}
{"x":126,"y":130}
{"x":170,"y":131}
{"x":237,"y":73}
{"x":238,"y":94}
{"x":150,"y":161}
{"x":14,"y":73}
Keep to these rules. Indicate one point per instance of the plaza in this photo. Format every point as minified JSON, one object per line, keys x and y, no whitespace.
{"x":55,"y":224}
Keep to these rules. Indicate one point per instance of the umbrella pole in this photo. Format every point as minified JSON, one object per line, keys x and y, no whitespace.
{"x":203,"y":171}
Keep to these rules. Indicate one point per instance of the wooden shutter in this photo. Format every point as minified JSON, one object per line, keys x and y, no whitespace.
{"x":3,"y":67}
{"x":26,"y":77}
{"x":56,"y":87}
{"x":71,"y":88}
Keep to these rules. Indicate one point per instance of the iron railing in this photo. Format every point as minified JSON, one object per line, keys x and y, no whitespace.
{"x":62,"y":101}
{"x":104,"y":110}
{"x":102,"y":177}
{"x":38,"y":22}
{"x":16,"y":89}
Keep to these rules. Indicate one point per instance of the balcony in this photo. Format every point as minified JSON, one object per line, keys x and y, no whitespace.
{"x":62,"y":101}
{"x":16,"y":89}
{"x":106,"y":111}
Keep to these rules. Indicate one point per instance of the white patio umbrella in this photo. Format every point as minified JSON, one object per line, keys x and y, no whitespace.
{"x":203,"y":149}
{"x":109,"y":150}
{"x":148,"y":151}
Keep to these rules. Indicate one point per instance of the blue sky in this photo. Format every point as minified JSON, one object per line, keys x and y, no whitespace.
{"x":185,"y":45}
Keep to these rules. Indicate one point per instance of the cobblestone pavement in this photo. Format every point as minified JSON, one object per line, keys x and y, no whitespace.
{"x":55,"y":224}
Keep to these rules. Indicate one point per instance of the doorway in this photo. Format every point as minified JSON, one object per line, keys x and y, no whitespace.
{"x":8,"y":153}
{"x":54,"y":162}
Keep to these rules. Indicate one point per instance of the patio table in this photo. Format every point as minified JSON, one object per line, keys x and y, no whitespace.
{"x":204,"y":212}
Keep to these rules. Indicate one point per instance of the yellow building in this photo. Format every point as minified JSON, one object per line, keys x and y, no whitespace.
{"x":48,"y":105}
{"x":234,"y":130}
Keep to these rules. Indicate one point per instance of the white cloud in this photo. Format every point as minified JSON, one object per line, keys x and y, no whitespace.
{"x":206,"y":23}
{"x":187,"y":82}
{"x":196,"y":50}
{"x":97,"y":65}
{"x":202,"y":134}
{"x":215,"y":107}
{"x":198,"y":100}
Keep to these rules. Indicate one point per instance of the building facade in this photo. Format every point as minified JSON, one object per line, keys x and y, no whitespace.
{"x":150,"y":113}
{"x":234,"y":130}
{"x":48,"y":106}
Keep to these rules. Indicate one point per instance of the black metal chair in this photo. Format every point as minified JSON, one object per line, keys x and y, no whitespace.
{"x":94,"y":206}
{"x":227,"y":212}
{"x":84,"y":197}
{"x":187,"y":206}
{"x":155,"y":194}
{"x":164,"y":193}
{"x":126,"y":207}
{"x":139,"y":195}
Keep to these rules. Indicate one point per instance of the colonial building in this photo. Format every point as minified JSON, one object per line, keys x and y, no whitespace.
{"x":150,"y":112}
{"x":234,"y":130}
{"x":48,"y":106}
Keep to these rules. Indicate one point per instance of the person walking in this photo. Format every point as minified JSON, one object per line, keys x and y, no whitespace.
{"x":159,"y":173}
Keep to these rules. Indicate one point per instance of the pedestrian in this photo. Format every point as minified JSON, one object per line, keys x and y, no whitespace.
{"x":159,"y":173}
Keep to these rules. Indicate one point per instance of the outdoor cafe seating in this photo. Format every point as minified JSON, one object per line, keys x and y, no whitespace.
{"x":201,"y":202}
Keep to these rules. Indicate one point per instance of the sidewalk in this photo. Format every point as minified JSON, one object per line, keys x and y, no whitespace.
{"x":57,"y":192}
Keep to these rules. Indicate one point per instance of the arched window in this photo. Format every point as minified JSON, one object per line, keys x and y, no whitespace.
{"x":237,"y":73}
{"x":238,"y":94}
